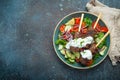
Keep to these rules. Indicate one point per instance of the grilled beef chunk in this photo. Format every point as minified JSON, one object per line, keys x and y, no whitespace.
{"x":74,"y":49}
{"x":91,"y":32}
{"x":87,"y":46}
{"x":80,"y":35}
{"x":93,"y":48}
{"x":85,"y":62}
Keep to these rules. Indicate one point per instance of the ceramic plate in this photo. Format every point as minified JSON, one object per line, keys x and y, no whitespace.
{"x":55,"y":37}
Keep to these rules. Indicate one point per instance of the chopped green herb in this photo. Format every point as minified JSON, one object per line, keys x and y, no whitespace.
{"x":81,"y":42}
{"x":84,"y":52}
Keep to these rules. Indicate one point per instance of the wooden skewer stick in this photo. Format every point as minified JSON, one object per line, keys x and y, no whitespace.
{"x":99,"y":16}
{"x":103,"y":38}
{"x":82,"y":16}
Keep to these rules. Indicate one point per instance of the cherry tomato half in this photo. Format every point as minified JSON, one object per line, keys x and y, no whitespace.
{"x":100,"y":28}
{"x":74,"y":28}
{"x":77,"y":20}
{"x":103,"y":29}
{"x":62,"y":28}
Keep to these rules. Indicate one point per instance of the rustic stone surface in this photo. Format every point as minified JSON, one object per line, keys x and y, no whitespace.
{"x":26,"y":50}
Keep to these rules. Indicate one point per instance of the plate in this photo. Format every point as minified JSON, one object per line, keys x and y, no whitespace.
{"x":55,"y":37}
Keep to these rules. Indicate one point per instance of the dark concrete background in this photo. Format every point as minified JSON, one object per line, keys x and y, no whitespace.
{"x":26,"y":50}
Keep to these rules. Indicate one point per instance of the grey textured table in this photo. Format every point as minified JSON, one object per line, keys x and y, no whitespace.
{"x":26,"y":50}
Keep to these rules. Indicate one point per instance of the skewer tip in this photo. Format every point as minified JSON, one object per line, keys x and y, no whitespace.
{"x":82,"y":16}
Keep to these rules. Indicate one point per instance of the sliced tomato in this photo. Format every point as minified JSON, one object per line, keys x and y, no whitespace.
{"x":77,"y":20}
{"x":62,"y":28}
{"x":100,"y":28}
{"x":103,"y":29}
{"x":74,"y":28}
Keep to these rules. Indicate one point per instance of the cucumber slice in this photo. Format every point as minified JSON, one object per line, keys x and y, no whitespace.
{"x":97,"y":40}
{"x":68,"y":54}
{"x":72,"y":56}
{"x":71,"y":60}
{"x":62,"y":51}
{"x":60,"y":47}
{"x":77,"y":54}
{"x":102,"y":50}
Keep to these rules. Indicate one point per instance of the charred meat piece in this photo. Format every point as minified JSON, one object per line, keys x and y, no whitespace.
{"x":74,"y":49}
{"x":76,"y":35}
{"x":91,"y":32}
{"x":83,"y":61}
{"x":93,"y":48}
{"x":87,"y":46}
{"x":86,"y":62}
{"x":80,"y":35}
